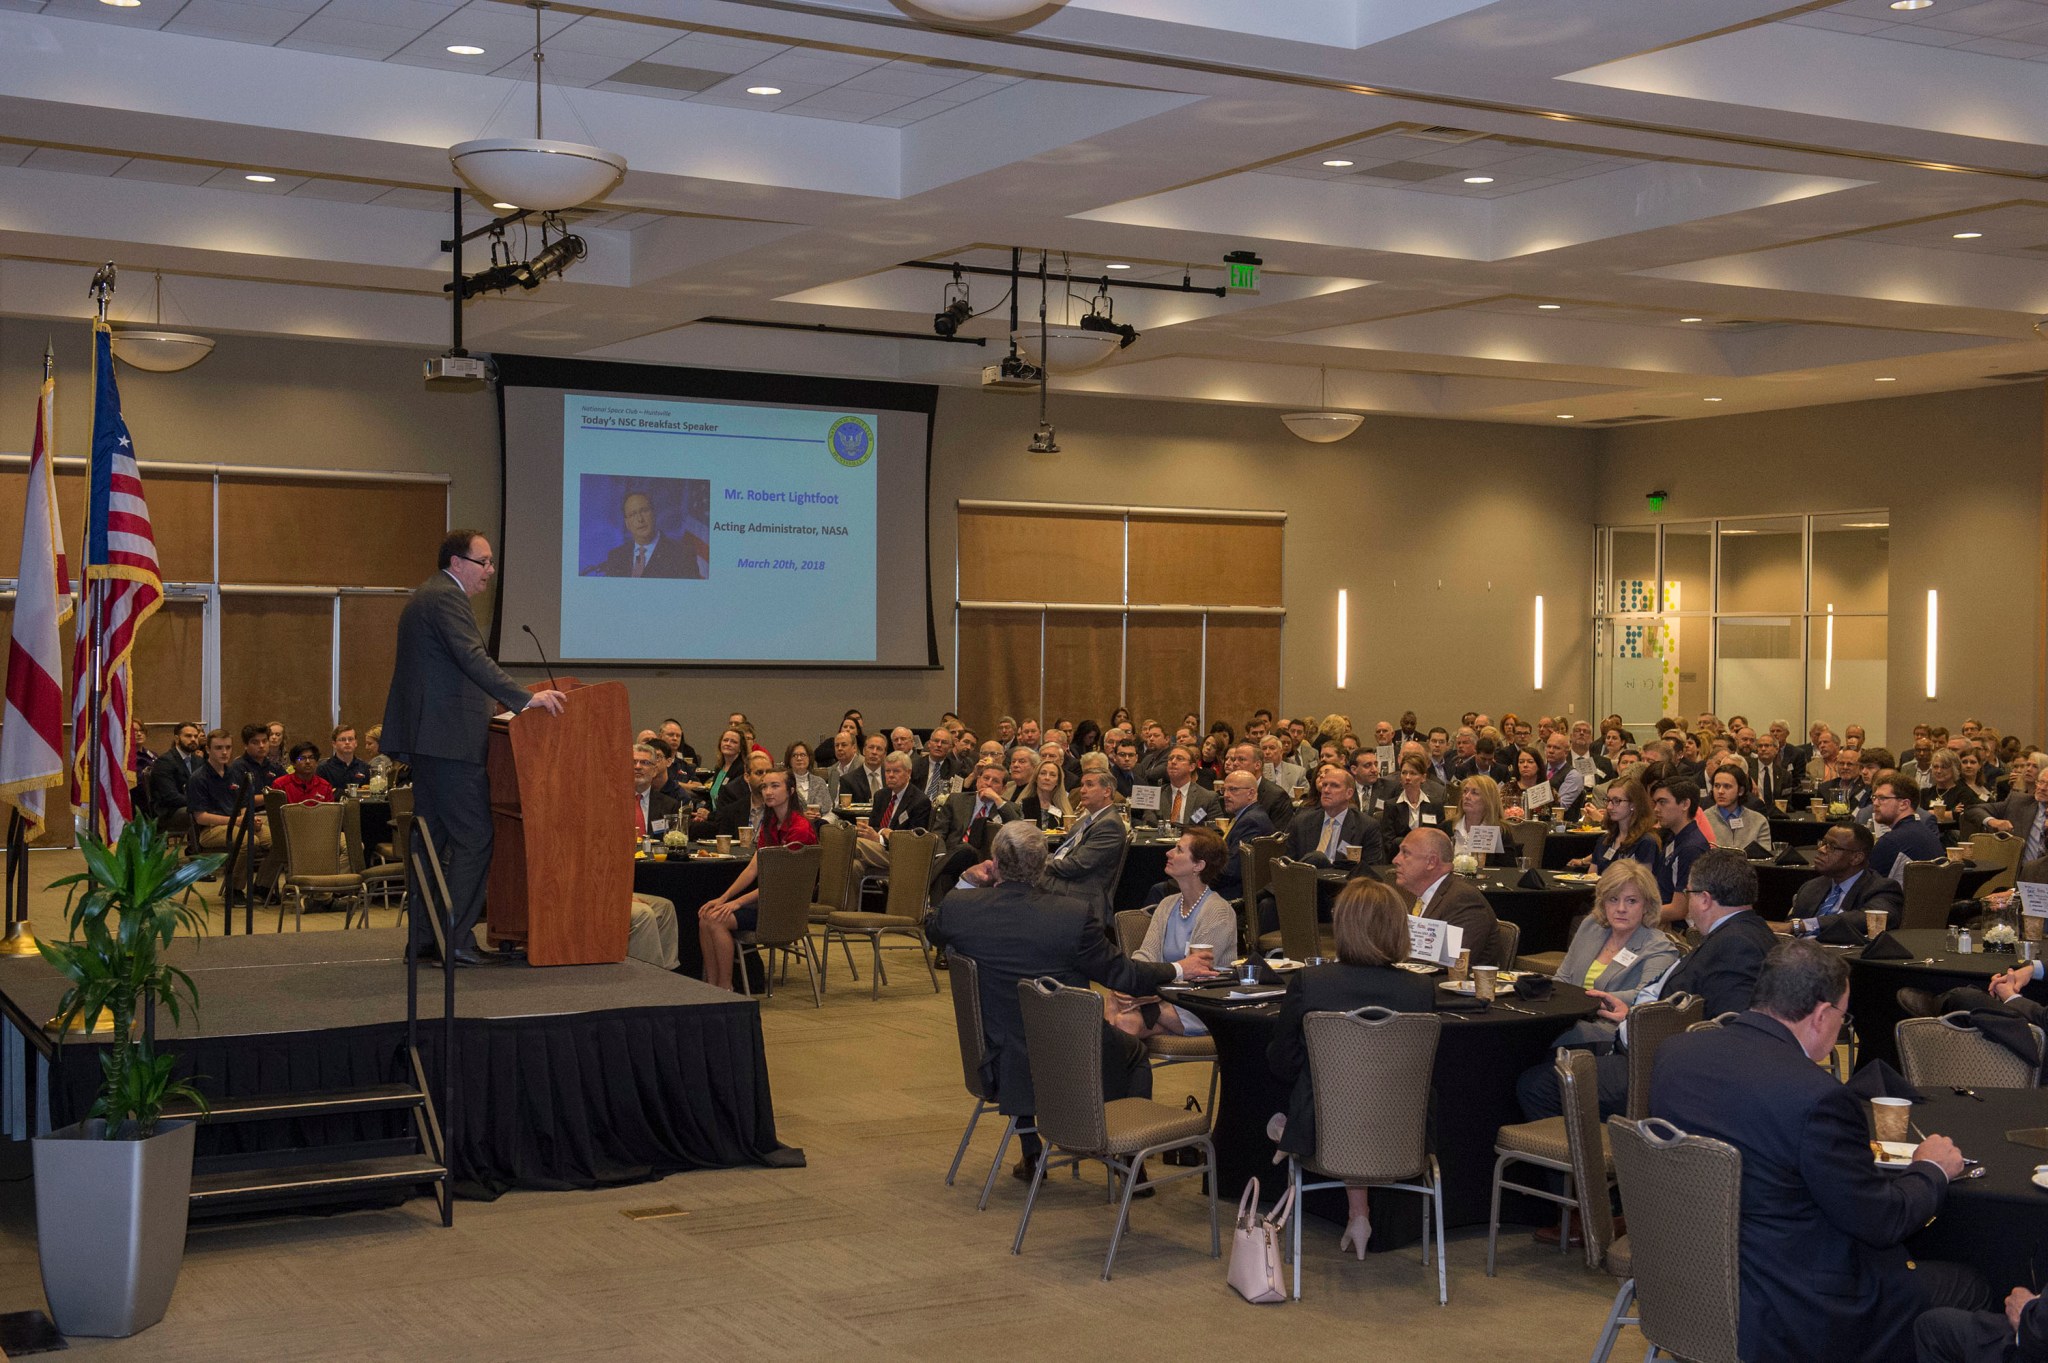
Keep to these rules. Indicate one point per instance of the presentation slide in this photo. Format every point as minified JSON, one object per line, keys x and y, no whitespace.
{"x":661,"y":516}
{"x":758,"y":523}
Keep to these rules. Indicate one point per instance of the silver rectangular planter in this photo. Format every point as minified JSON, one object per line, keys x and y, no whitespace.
{"x":110,"y":1225}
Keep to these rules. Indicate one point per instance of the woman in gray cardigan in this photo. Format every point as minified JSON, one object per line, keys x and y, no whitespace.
{"x":1618,"y":948}
{"x":1195,"y":915}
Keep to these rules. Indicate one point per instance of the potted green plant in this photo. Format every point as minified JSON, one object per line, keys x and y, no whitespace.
{"x":112,"y":1190}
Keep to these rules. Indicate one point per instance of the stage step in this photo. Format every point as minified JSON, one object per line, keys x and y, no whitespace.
{"x":335,"y":1102}
{"x":313,"y":1179}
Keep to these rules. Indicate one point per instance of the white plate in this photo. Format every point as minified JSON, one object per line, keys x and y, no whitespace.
{"x":2041,"y":1178}
{"x":1893,"y":1153}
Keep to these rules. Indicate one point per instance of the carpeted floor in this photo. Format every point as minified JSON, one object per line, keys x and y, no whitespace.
{"x":864,"y":1255}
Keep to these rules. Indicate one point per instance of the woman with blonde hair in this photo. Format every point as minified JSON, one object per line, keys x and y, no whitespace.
{"x":1046,"y":800}
{"x":1618,"y":948}
{"x":1370,"y":925}
{"x":1478,"y":807}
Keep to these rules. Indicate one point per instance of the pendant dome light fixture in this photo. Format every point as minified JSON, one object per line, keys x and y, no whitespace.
{"x":537,"y":173}
{"x":1323,"y":426}
{"x":157,"y":350}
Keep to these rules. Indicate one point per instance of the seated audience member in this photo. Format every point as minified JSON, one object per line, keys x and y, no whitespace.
{"x":811,"y":792}
{"x":898,"y":807}
{"x":343,"y":768}
{"x":667,"y":780}
{"x":1908,"y":832}
{"x":380,"y":764}
{"x":1410,"y":807}
{"x":1847,"y":786}
{"x":1479,"y":807}
{"x":253,"y":766}
{"x":303,"y":784}
{"x":1371,"y":933}
{"x":1947,"y":795}
{"x":1209,"y":767}
{"x":1333,"y":831}
{"x":140,"y":758}
{"x":736,"y":911}
{"x":865,"y":781}
{"x":1370,"y":792}
{"x":1675,"y":802}
{"x":651,"y":932}
{"x":1721,"y":970}
{"x":214,"y":795}
{"x":1528,"y":793}
{"x":1192,"y":914}
{"x":274,"y":749}
{"x":932,"y":770}
{"x":1593,"y":767}
{"x":1485,"y":760}
{"x":743,"y":807}
{"x":1276,"y":768}
{"x":1567,"y":782}
{"x":678,"y":745}
{"x":654,"y":809}
{"x":1844,"y":882}
{"x":1022,"y":773}
{"x":1631,"y":832}
{"x":2020,"y":809}
{"x":1247,"y":820}
{"x":727,"y":786}
{"x":845,"y":758}
{"x":2019,"y":1334}
{"x":1731,"y":820}
{"x":967,"y":755}
{"x":1278,"y":803}
{"x":2002,"y":991}
{"x":1014,"y":928}
{"x":172,"y":772}
{"x":1423,"y":868}
{"x":1618,"y":948}
{"x":1182,"y":801}
{"x":1045,"y":800}
{"x":1825,"y":1274}
{"x":967,"y":822}
{"x":1086,"y":862}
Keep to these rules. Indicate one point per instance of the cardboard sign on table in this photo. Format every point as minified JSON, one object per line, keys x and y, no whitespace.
{"x":1145,"y":797}
{"x":1485,"y":838}
{"x":2033,"y":899}
{"x":1433,"y":940}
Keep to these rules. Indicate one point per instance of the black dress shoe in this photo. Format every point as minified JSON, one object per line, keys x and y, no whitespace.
{"x":939,"y":960}
{"x":1022,"y":1171}
{"x":467,"y":956}
{"x":1919,"y":1003}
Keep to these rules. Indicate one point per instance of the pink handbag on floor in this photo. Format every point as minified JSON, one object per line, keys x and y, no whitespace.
{"x":1255,"y":1268}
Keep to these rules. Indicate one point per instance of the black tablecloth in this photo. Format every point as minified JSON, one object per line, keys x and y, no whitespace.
{"x":689,"y":883}
{"x":1992,"y":1223}
{"x":1477,"y":1062}
{"x":1545,"y":915}
{"x":1561,"y":849}
{"x":1800,"y":830}
{"x":1144,"y":867}
{"x":1874,"y":985}
{"x":376,"y":824}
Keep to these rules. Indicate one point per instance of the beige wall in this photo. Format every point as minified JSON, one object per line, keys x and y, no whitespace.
{"x":1961,"y":475}
{"x":1442,"y":531}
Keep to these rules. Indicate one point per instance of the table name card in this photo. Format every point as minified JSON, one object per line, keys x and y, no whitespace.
{"x":1538,"y":795}
{"x":2033,"y":899}
{"x":1484,"y":838}
{"x":1431,"y":939}
{"x":1386,"y":752}
{"x":1145,"y":797}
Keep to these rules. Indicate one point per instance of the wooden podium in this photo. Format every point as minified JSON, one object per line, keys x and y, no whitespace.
{"x":562,"y":828}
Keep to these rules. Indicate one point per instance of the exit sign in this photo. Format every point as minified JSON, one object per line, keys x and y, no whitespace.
{"x":1244,"y":271}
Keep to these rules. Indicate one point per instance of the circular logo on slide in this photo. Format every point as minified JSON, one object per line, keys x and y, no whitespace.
{"x":852,"y":441}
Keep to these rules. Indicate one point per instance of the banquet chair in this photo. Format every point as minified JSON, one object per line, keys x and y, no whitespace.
{"x":836,"y":886}
{"x":1649,"y":1027}
{"x":1529,"y":838}
{"x":1131,"y":927}
{"x":2000,"y":850}
{"x":1683,"y":1195}
{"x":911,"y":851}
{"x":1063,"y":1039}
{"x":1167,"y":1049}
{"x":1507,"y":944}
{"x":1294,"y":894}
{"x":966,"y":984}
{"x":1948,"y":1051}
{"x":399,"y":804}
{"x":311,"y":837}
{"x":1930,"y":893}
{"x":1713,"y":1024}
{"x":1573,"y":1145}
{"x":382,"y":876}
{"x":1257,"y":859}
{"x":788,"y":877}
{"x":1370,"y":1071}
{"x":1550,"y":962}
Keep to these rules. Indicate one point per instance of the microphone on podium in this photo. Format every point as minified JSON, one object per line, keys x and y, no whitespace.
{"x":543,"y":656}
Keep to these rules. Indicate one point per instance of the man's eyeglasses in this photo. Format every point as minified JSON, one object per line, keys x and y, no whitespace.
{"x":483,"y":562}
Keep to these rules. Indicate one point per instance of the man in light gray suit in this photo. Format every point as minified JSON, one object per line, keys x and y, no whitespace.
{"x":1086,"y":864}
{"x":437,"y":717}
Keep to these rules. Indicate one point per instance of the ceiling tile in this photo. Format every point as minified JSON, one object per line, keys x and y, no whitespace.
{"x":73,"y":162}
{"x":416,"y":16}
{"x":611,"y":38}
{"x":327,"y":30}
{"x":905,"y":78}
{"x":149,"y":14}
{"x":858,"y":103}
{"x":701,"y":54}
{"x":229,"y":19}
{"x":165,"y":172}
{"x":1985,"y":20}
{"x":11,"y":155}
{"x":337,"y":191}
{"x":413,"y":198}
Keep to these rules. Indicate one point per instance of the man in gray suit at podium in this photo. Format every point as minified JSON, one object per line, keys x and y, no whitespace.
{"x":444,"y":690}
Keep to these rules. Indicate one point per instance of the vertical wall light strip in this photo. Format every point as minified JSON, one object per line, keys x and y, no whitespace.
{"x":1933,"y":636}
{"x":1343,"y":637}
{"x":1539,"y":643}
{"x":1827,"y":667}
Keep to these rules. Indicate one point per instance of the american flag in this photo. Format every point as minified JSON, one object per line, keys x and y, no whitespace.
{"x":32,"y":738}
{"x":121,"y":589}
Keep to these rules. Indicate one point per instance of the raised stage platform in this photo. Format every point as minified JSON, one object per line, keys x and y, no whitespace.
{"x":568,"y":1077}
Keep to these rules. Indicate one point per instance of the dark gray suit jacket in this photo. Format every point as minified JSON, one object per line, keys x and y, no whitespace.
{"x":1088,"y":871}
{"x":444,"y":687}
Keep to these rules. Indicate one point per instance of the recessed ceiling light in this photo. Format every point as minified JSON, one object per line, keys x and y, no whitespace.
{"x":1966,"y":236}
{"x":1912,"y":4}
{"x":1548,"y":307}
{"x":506,"y":208}
{"x":1119,"y":267}
{"x":261,"y":179}
{"x":465,"y":50}
{"x":1710,"y":399}
{"x":1866,"y":525}
{"x":764,"y":89}
{"x":1888,"y":380}
{"x":1564,"y":416}
{"x":1692,"y":319}
{"x":1478,"y":179}
{"x":1338,"y":165}
{"x":121,"y":4}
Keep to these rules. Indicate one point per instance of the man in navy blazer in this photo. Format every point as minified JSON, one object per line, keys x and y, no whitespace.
{"x":1895,"y":799}
{"x":1247,"y":820}
{"x":437,"y":716}
{"x":1825,"y":1275}
{"x":1844,"y":881}
{"x":2018,"y":1335}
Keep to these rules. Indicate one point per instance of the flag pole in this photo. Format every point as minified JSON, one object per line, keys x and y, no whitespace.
{"x":17,"y":940}
{"x":103,"y":294}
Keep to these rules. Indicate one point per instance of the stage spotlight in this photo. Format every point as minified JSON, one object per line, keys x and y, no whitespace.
{"x":948,"y":319}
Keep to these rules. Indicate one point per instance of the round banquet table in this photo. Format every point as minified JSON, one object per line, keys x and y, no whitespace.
{"x":376,"y":816}
{"x":1560,"y":849}
{"x":1799,"y":829}
{"x":688,"y":883}
{"x":1545,"y":916}
{"x":1874,"y":985}
{"x":1478,"y":1060}
{"x":1144,"y":867}
{"x":1993,"y":1222}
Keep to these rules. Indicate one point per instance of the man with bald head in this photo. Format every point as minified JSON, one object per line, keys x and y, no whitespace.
{"x":1423,"y":868}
